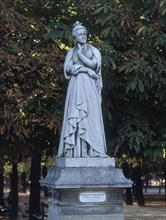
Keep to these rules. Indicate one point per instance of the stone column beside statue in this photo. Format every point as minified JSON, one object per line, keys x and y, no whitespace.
{"x":84,"y":184}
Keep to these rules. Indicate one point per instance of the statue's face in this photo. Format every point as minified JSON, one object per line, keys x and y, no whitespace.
{"x":81,"y":36}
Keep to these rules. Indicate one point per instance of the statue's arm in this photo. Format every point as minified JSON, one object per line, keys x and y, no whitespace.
{"x":66,"y":64}
{"x":74,"y":69}
{"x":70,"y":67}
{"x":91,"y":63}
{"x":87,"y":70}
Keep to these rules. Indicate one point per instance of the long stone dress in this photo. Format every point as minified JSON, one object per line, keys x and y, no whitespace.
{"x":83,"y":132}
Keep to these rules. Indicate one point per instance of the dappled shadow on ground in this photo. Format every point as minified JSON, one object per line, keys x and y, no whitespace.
{"x":154,"y":209}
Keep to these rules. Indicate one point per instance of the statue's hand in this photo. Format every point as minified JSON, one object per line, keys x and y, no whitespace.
{"x":92,"y":74}
{"x":79,"y":48}
{"x":70,"y":69}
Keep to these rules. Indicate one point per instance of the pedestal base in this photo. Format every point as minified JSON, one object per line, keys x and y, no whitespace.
{"x":85,"y":193}
{"x":108,"y":205}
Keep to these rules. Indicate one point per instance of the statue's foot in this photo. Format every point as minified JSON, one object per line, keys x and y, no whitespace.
{"x":85,"y":156}
{"x":101,"y":155}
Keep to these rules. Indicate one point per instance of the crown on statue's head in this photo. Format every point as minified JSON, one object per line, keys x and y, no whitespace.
{"x":77,"y":26}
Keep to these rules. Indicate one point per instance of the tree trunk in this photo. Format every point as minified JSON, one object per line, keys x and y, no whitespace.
{"x":165,"y":175}
{"x":34,"y":203}
{"x":139,"y":190}
{"x":14,"y":190}
{"x":128,"y":196}
{"x":44,"y":174}
{"x":1,"y":185}
{"x":23,"y":182}
{"x":146,"y":183}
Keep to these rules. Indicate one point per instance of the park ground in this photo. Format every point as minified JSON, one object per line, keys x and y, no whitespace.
{"x":154,"y":209}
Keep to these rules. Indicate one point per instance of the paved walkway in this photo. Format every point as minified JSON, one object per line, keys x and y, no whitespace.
{"x":155,"y":208}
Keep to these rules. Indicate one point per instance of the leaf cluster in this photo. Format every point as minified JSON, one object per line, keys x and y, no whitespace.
{"x":133,"y":43}
{"x":30,"y":81}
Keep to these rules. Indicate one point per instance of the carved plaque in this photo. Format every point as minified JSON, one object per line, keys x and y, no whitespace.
{"x":92,"y":197}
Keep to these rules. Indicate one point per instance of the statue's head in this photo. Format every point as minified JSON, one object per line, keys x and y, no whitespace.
{"x":76,"y":27}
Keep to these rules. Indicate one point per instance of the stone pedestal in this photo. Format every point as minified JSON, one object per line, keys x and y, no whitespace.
{"x":85,"y":189}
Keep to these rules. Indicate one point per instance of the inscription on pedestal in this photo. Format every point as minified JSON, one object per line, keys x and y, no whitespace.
{"x":92,"y":197}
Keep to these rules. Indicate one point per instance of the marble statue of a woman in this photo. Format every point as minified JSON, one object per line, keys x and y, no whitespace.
{"x":82,"y":131}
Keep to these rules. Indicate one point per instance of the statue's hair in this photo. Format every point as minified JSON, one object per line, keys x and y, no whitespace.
{"x":77,"y":26}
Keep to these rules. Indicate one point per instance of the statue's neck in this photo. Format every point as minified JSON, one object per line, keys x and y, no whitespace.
{"x":84,"y":47}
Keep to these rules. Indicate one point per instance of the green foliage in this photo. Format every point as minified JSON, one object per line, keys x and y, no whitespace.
{"x":133,"y":38}
{"x":30,"y":93}
{"x":22,"y":167}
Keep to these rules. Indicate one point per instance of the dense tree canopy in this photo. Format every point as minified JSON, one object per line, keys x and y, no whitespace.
{"x":131,"y":37}
{"x":133,"y":48}
{"x":30,"y":91}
